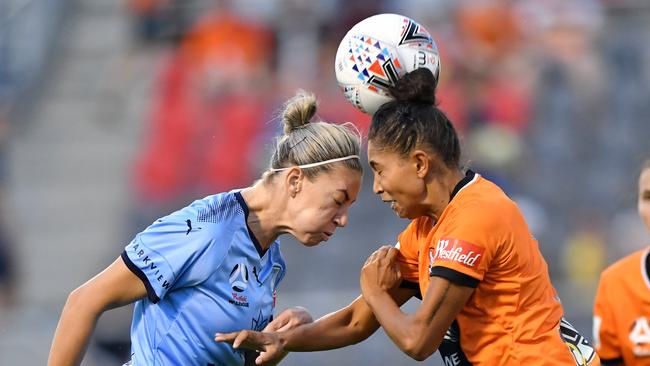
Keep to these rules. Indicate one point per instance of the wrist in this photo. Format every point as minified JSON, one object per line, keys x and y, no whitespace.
{"x":374,"y":296}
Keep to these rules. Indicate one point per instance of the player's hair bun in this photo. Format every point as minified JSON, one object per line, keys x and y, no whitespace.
{"x":417,"y":86}
{"x":298,"y":111}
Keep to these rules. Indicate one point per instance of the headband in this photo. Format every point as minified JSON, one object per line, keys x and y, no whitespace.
{"x":311,"y":165}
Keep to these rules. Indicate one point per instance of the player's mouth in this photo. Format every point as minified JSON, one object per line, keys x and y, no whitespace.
{"x":391,"y":202}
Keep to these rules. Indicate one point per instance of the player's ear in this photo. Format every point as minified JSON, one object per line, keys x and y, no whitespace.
{"x":421,"y":163}
{"x":293,"y":181}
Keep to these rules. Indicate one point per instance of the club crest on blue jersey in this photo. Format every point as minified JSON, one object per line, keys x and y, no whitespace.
{"x":239,"y":282}
{"x":239,"y":277}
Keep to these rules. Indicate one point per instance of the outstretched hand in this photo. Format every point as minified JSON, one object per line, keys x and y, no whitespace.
{"x":268,"y":342}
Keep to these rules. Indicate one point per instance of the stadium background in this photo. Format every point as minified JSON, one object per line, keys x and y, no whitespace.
{"x":113,"y":113}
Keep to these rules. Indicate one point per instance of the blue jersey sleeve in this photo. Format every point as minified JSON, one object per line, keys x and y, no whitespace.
{"x":172,"y":254}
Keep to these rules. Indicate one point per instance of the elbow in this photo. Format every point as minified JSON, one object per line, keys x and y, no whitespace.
{"x":419,"y":353}
{"x":418,"y":348}
{"x":81,"y":300}
{"x":75,"y":297}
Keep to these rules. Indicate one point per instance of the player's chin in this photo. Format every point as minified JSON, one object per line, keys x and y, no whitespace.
{"x":313,"y":239}
{"x":400,"y":211}
{"x":404,"y":213}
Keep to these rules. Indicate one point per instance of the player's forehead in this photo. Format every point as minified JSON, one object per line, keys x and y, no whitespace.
{"x":379,"y":155}
{"x":341,"y":180}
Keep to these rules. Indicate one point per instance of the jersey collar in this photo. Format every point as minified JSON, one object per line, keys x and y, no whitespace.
{"x":467,"y":179}
{"x":244,"y":207}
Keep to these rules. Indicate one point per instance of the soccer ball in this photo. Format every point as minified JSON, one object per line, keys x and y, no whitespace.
{"x":376,"y":52}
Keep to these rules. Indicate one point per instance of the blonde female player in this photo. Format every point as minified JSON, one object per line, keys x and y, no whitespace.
{"x":468,"y":251}
{"x":622,"y":305}
{"x":214,"y":266}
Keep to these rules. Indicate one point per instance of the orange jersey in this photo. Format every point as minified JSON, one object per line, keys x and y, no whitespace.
{"x":481,"y":240}
{"x":622,"y":312}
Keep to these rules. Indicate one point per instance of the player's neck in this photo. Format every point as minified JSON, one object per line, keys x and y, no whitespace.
{"x":263,"y":214}
{"x":440,"y":190}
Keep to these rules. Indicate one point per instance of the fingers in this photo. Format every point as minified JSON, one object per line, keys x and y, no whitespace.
{"x":265,"y":357}
{"x":226,"y":337}
{"x":278,"y":323}
{"x":245,"y":339}
{"x":243,"y":335}
{"x":391,"y":254}
{"x":382,"y":252}
{"x":385,"y":254}
{"x":289,"y":319}
{"x":371,"y":258}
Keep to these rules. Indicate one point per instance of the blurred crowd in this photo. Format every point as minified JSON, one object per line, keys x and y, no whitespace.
{"x":551,"y":99}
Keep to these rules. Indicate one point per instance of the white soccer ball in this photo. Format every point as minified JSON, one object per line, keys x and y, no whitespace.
{"x":376,"y":52}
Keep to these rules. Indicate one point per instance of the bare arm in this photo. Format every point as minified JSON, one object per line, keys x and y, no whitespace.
{"x":347,"y":326}
{"x":419,"y":335}
{"x":115,"y":286}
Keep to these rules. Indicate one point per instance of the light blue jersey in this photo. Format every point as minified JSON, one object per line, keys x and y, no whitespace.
{"x":205,"y":273}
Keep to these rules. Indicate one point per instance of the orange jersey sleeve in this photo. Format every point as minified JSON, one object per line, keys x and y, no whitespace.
{"x":407,"y":244}
{"x":606,"y":341}
{"x":465,"y":249}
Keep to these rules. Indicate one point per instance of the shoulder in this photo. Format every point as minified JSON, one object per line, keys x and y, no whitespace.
{"x":484,"y":204}
{"x":197,"y":226}
{"x":218,"y":208}
{"x":213,"y":214}
{"x":408,"y":239}
{"x":624,"y":266}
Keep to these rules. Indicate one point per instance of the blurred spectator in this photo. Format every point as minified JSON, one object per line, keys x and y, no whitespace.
{"x":209,"y":113}
{"x":484,"y":82}
{"x":160,"y":20}
{"x":486,"y":87}
{"x":584,"y":254}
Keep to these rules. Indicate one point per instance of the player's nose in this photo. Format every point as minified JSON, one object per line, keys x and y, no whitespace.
{"x":376,"y":187}
{"x":342,"y":219}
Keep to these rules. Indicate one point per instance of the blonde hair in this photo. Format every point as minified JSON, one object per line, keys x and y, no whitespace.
{"x":305,"y":142}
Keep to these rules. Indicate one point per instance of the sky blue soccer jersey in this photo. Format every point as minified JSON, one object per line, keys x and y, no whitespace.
{"x":204,"y":272}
